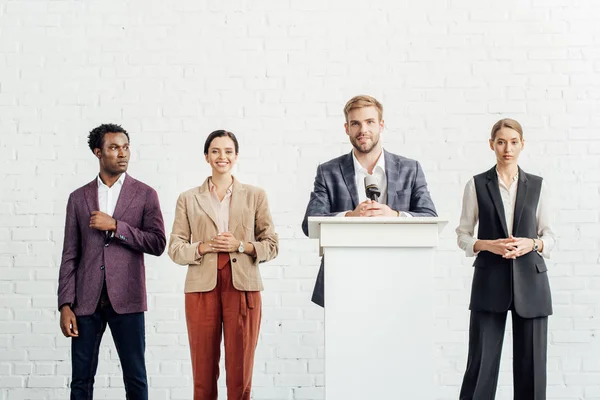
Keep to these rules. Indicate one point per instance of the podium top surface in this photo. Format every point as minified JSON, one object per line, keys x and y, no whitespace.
{"x":315,"y":222}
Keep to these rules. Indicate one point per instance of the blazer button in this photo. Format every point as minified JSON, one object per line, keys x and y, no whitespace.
{"x":234,"y":260}
{"x":102,"y":267}
{"x":106,"y":245}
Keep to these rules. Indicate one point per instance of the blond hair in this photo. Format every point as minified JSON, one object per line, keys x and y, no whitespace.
{"x":362,"y":101}
{"x":507,"y":123}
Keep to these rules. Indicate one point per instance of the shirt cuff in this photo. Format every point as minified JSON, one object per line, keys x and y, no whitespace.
{"x":470,"y":250}
{"x":404,"y":214}
{"x":342,"y":214}
{"x":545,"y":252}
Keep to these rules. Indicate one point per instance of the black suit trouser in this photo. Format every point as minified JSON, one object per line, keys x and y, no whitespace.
{"x":530,"y":343}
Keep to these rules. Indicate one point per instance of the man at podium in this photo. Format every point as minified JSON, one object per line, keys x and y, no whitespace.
{"x":396,"y":185}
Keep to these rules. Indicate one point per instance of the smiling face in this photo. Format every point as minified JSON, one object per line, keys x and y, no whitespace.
{"x":221,"y":155}
{"x":364,"y":128}
{"x":114,"y":154}
{"x":507,"y":144}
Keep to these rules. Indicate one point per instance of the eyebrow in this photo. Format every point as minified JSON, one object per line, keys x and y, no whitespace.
{"x":368,"y":119}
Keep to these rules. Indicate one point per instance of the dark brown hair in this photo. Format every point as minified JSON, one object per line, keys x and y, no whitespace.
{"x":221,"y":133}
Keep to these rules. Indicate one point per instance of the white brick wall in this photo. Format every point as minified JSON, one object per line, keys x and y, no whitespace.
{"x":277,"y":73}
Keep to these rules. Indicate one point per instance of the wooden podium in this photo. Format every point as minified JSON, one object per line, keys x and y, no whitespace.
{"x":379,"y":297}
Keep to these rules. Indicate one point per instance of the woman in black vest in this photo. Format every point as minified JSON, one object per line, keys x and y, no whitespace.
{"x":514,"y":236}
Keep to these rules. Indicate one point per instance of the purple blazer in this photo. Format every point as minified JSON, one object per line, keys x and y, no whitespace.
{"x":88,"y":255}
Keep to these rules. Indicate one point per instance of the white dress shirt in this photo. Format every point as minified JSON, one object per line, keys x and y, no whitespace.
{"x":361,"y":172}
{"x":470,"y":216}
{"x":108,"y":196}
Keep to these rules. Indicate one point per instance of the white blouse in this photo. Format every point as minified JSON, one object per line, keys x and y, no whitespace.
{"x":470,"y":216}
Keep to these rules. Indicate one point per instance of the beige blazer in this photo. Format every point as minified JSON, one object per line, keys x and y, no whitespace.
{"x":249,"y":221}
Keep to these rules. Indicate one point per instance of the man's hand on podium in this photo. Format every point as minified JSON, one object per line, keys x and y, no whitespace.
{"x":370,"y":208}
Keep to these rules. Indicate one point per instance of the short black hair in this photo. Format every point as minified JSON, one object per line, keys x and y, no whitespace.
{"x":96,"y":136}
{"x":221,"y":133}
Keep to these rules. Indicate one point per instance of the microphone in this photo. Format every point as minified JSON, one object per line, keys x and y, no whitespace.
{"x":372,"y":187}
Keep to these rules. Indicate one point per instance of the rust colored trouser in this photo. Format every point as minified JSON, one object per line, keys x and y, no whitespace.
{"x":233,"y":313}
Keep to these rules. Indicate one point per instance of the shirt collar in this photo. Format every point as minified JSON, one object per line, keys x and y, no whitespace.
{"x":514,"y":179}
{"x":213,"y":188}
{"x":119,"y":181}
{"x":359,"y":168}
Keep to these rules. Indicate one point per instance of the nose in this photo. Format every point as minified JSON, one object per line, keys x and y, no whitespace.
{"x":123,"y":152}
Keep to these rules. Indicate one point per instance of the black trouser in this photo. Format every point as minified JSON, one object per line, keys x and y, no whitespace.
{"x":130,"y":340}
{"x":486,"y":334}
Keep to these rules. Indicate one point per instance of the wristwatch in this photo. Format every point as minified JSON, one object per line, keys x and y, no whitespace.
{"x":241,"y":248}
{"x":535,"y":245}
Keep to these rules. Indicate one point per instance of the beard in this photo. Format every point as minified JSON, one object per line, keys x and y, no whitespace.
{"x":364,"y":148}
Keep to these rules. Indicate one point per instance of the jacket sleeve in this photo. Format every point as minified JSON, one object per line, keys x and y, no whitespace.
{"x":267,"y":241}
{"x":421,"y":204}
{"x":150,"y":238}
{"x":71,"y":255}
{"x":181,"y":250}
{"x":319,"y":204}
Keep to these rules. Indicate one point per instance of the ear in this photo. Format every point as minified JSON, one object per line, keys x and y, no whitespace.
{"x":206,"y":158}
{"x":492,"y":144}
{"x":98,"y":152}
{"x":381,"y":124}
{"x":522,"y":144}
{"x":346,"y":128}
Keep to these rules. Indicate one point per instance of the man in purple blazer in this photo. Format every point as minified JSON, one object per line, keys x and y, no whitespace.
{"x":111,"y":222}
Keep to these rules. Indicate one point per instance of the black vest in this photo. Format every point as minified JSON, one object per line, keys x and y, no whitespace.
{"x":500,"y":282}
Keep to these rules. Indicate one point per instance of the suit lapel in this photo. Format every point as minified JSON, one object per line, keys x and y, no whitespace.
{"x":521,"y":197}
{"x":126,"y":195}
{"x":392,"y":176}
{"x":91,"y":195}
{"x":494,"y":191}
{"x":91,"y":199}
{"x":237,"y":205}
{"x":204,"y":201}
{"x":347,"y":167}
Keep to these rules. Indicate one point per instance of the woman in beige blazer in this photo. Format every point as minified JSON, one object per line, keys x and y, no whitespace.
{"x":222,"y":231}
